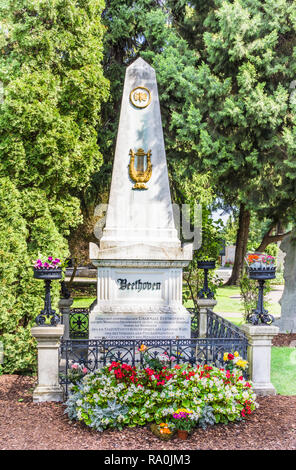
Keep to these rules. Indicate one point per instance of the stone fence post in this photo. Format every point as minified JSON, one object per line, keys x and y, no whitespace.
{"x":259,"y":356}
{"x":64,"y":308}
{"x":203,"y":305}
{"x":48,"y":342}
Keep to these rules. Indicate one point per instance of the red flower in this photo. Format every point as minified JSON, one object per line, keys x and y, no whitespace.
{"x":230,"y":357}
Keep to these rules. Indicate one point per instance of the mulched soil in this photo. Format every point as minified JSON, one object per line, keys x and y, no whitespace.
{"x":25,"y":425}
{"x":283,"y":339}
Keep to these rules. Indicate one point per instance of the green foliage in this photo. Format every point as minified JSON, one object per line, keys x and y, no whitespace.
{"x":194,"y":280}
{"x":243,"y":103}
{"x":21,"y":296}
{"x":249,"y":293}
{"x":50,"y":68}
{"x":207,"y":417}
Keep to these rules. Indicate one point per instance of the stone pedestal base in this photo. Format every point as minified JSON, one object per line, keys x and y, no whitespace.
{"x":44,"y":393}
{"x":139,"y":300}
{"x":203,"y":305}
{"x":259,"y":356}
{"x":48,"y":342}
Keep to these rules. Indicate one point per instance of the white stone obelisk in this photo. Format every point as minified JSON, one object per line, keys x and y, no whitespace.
{"x":140,"y":257}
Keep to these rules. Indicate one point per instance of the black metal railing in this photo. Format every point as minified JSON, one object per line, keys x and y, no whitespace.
{"x":194,"y":322}
{"x":93,"y":354}
{"x":219,"y":327}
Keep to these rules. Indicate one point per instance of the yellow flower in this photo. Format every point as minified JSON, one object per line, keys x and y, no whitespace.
{"x":236,"y":354}
{"x":142,"y":348}
{"x":183,"y":410}
{"x":241,"y":363}
{"x":225,"y":357}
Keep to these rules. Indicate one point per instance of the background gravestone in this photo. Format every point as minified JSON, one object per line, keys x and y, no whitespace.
{"x":287,"y":322}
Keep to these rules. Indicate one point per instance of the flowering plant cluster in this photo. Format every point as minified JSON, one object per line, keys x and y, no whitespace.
{"x":260,"y":260}
{"x":76,"y":373}
{"x":234,"y":361}
{"x":164,"y":428}
{"x":126,"y":373}
{"x":182,"y":419}
{"x":163,"y":431}
{"x":48,"y":263}
{"x":158,"y":362}
{"x":147,"y":396}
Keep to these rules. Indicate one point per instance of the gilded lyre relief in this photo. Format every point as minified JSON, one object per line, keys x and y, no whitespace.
{"x":140,"y":168}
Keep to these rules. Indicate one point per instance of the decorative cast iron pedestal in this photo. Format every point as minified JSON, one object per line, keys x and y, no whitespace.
{"x":260,"y":314}
{"x":47,"y":275}
{"x":205,"y":292}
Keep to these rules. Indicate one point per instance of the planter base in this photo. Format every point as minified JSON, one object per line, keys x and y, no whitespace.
{"x":182,"y":434}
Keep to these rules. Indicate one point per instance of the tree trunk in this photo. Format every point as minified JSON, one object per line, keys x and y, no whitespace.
{"x":240,"y":246}
{"x":268,"y":238}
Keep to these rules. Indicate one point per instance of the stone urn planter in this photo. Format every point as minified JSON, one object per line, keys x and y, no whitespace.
{"x":49,"y":274}
{"x":260,"y":268}
{"x":47,"y":271}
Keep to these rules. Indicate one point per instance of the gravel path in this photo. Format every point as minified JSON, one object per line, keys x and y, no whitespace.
{"x":25,"y":425}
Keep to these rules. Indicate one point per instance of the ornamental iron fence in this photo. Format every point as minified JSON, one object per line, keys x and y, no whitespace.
{"x":79,"y":323}
{"x":93,"y":354}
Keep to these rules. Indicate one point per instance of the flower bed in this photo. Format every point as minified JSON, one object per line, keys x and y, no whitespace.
{"x":119,"y":395}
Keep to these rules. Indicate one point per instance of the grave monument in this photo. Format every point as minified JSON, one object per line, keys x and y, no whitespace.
{"x":287,"y":322}
{"x":139,"y":256}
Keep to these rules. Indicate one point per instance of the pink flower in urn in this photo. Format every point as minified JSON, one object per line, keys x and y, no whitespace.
{"x":50,"y":263}
{"x":84,"y":370}
{"x":74,"y":366}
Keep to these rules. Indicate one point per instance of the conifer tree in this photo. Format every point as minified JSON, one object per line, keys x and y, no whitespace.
{"x":53,"y":87}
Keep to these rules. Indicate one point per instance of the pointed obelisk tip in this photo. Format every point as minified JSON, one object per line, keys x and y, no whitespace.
{"x":140,"y":63}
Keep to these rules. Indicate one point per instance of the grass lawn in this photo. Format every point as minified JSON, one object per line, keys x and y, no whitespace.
{"x":228,"y":301}
{"x":283,"y":359}
{"x":82,"y":302}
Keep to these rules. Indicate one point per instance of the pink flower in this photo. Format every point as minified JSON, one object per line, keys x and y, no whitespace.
{"x":74,"y":366}
{"x":84,"y":370}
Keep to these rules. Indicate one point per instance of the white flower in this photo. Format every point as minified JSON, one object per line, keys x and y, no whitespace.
{"x":245,"y":395}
